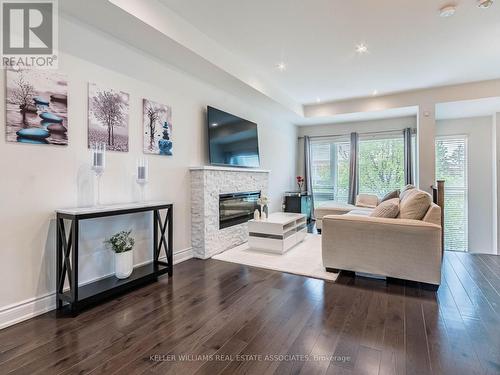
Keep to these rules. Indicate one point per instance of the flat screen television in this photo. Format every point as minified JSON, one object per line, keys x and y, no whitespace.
{"x":232,"y":141}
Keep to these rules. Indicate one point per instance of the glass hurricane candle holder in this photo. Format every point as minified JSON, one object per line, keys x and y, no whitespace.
{"x":142,"y":175}
{"x":98,"y":163}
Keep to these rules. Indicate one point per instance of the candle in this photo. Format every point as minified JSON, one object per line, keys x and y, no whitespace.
{"x":98,"y":156}
{"x":142,"y":176}
{"x":98,"y":159}
{"x":141,"y":172}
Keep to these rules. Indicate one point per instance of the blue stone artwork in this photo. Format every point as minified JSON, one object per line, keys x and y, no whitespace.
{"x":49,"y":117}
{"x":56,"y":128}
{"x":33,"y":133}
{"x":61,"y":98}
{"x":165,"y":147}
{"x":40,"y":101}
{"x":32,"y":141}
{"x":165,"y":144}
{"x":37,"y":107}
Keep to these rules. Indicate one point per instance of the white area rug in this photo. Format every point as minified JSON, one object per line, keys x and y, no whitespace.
{"x":303,"y":259}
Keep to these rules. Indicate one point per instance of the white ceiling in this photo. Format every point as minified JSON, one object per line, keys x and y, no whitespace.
{"x":359,"y":116}
{"x":410,"y":46}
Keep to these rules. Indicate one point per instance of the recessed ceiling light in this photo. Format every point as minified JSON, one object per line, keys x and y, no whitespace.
{"x":318,"y":100}
{"x":281,"y":66}
{"x":484,"y":3}
{"x":375,"y":93}
{"x":361,"y":48}
{"x":447,"y":11}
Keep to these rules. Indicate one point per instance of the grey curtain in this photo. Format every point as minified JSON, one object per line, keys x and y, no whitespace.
{"x":308,"y":171}
{"x":353,"y":169}
{"x":409,"y":178}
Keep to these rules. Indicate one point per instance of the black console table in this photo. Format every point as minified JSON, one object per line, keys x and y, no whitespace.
{"x":67,"y":254}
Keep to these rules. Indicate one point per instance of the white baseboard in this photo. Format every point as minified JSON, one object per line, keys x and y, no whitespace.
{"x":20,"y":311}
{"x":183,"y":255}
{"x":17,"y":312}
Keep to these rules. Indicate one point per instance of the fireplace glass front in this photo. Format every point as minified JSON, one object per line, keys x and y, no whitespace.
{"x":237,"y":208}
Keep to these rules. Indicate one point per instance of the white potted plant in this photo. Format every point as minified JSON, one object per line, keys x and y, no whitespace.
{"x":122,"y":244}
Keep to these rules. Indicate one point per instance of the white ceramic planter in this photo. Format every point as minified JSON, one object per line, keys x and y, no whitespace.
{"x":124,"y":264}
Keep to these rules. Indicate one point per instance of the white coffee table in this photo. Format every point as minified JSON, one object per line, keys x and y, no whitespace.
{"x":278,"y":233}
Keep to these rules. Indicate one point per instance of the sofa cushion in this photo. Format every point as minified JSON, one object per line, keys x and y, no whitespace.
{"x":433,"y":215}
{"x":367,"y":200}
{"x":332,"y":208}
{"x":390,"y":195}
{"x":361,"y":211}
{"x":406,"y":190}
{"x":388,"y":209}
{"x":415,"y":205}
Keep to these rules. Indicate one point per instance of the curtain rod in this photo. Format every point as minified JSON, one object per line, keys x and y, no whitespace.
{"x":365,"y":133}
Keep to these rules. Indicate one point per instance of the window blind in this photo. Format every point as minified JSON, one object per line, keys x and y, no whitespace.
{"x":330,"y":169}
{"x":451,"y":166}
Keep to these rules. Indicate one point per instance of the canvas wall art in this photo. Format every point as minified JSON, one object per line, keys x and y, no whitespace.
{"x":36,"y":107}
{"x":108,"y":118}
{"x":157,"y":122}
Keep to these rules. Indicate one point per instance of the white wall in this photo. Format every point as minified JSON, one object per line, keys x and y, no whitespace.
{"x":481,"y":178}
{"x":39,"y":179}
{"x":398,"y":123}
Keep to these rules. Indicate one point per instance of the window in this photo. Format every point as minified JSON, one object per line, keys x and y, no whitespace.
{"x":451,"y":166}
{"x":330,"y":170}
{"x":381,"y":164}
{"x":246,"y":160}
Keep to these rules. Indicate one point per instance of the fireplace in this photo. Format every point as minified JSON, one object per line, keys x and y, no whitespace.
{"x":207,"y":184}
{"x":237,"y":208}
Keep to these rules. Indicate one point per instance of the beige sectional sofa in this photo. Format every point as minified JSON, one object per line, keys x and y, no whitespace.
{"x":399,"y":247}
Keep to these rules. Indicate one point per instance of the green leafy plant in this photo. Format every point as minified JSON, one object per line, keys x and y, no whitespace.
{"x":120,"y":242}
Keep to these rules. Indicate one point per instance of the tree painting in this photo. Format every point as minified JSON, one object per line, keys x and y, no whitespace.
{"x":22,"y":95}
{"x":108,"y":118}
{"x":154,"y":113}
{"x":157,"y":124}
{"x":109,"y":109}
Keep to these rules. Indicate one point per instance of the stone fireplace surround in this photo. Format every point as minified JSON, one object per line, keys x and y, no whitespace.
{"x":207,"y":183}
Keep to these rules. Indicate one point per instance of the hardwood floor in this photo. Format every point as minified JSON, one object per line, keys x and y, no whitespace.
{"x":222,"y":318}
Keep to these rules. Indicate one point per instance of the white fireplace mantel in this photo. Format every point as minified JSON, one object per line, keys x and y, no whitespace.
{"x":228,"y":169}
{"x":207,"y":183}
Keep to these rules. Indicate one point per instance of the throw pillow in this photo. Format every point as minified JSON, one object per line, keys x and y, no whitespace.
{"x":391,"y":195}
{"x":415,"y":205}
{"x":388,"y":208}
{"x":405,"y":191}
